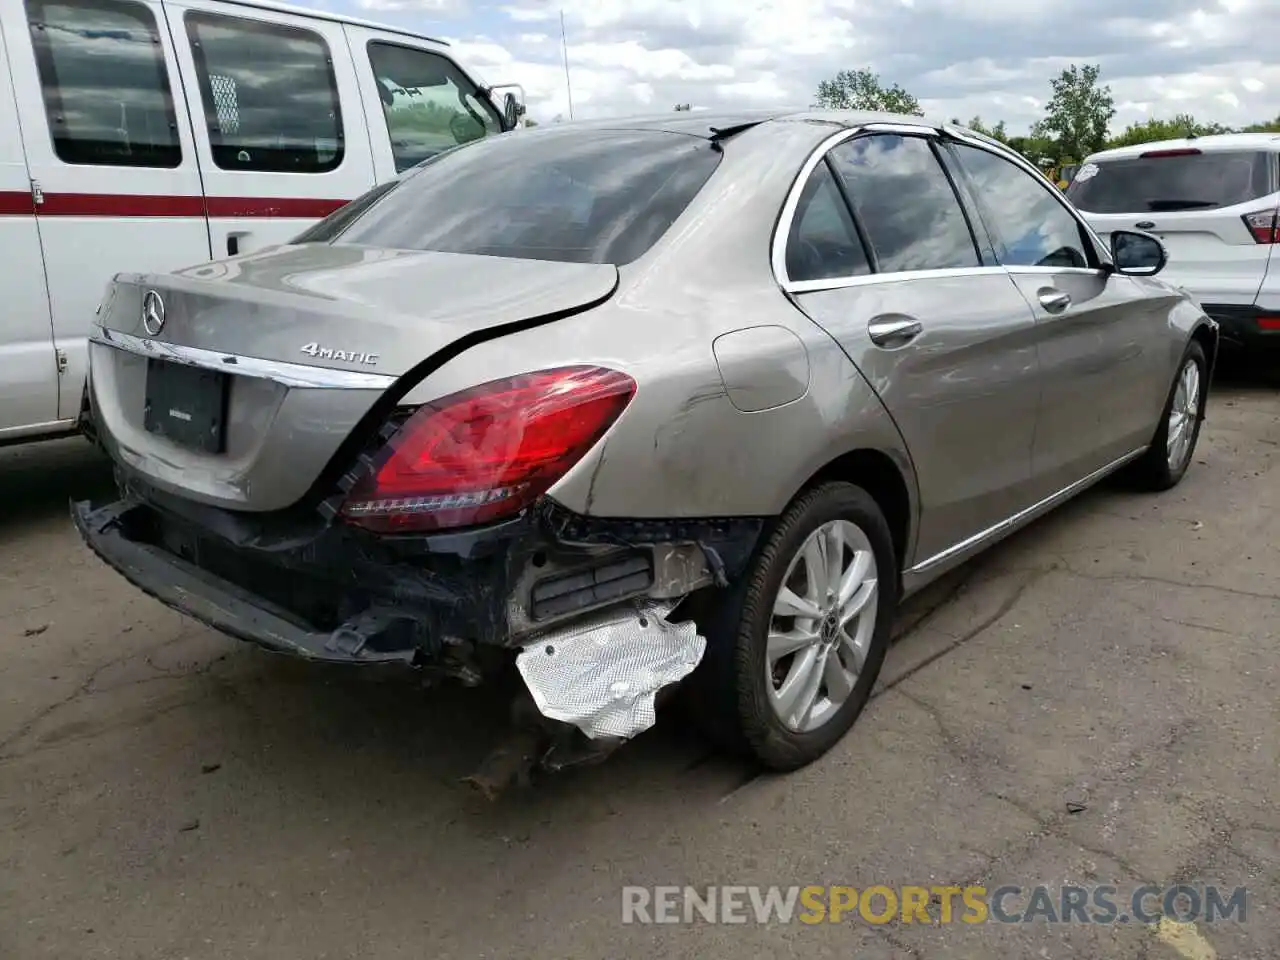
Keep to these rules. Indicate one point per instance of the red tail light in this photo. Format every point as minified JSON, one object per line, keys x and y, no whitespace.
{"x":1176,"y":152}
{"x":488,"y":452}
{"x":1264,"y":225}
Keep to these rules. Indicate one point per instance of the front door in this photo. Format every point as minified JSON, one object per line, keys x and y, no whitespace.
{"x":28,"y":363}
{"x":1097,"y":333}
{"x":943,"y":337}
{"x":280,"y":147}
{"x":109,"y":143}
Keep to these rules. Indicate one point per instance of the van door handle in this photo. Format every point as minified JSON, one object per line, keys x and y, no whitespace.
{"x":1055,"y":301}
{"x":893,"y":331}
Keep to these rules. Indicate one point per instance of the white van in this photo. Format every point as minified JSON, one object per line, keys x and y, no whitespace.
{"x":154,"y":134}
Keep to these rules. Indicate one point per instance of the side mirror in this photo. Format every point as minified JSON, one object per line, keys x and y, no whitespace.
{"x":1137,"y":254}
{"x":511,"y":110}
{"x":512,"y":103}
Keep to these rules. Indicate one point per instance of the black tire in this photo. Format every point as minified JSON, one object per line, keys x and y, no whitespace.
{"x":728,"y":690}
{"x":1152,"y":471}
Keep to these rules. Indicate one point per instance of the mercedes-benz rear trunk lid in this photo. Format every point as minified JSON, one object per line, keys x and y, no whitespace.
{"x":235,"y":383}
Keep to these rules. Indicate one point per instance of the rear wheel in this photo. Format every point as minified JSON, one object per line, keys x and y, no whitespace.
{"x":1174,"y":443}
{"x":794,"y":653}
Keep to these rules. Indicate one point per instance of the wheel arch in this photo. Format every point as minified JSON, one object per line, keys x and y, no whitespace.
{"x":880,"y":475}
{"x":1206,"y":334}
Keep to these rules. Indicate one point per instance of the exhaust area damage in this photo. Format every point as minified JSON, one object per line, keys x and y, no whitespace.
{"x":601,"y":674}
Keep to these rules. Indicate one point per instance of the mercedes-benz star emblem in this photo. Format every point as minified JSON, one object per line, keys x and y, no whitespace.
{"x":152,"y":313}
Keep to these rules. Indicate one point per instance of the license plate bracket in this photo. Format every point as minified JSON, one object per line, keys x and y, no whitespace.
{"x":187,"y":405}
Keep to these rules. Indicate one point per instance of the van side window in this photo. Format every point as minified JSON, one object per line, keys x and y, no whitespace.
{"x":428,"y":103}
{"x":269,"y":93}
{"x":106,"y":87}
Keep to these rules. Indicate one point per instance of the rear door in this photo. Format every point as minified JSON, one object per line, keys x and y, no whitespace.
{"x":1099,"y":336}
{"x":1214,"y":210}
{"x":28,"y":366}
{"x":108,"y":141}
{"x":282,"y":136}
{"x":418,"y":101}
{"x":938,"y":330}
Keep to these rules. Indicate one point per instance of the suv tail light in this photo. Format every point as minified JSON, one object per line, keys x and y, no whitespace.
{"x":1175,"y":152}
{"x":488,"y":452}
{"x":1264,"y":225}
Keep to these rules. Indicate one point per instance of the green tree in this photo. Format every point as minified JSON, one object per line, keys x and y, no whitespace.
{"x":1038,"y":146}
{"x":1149,"y":131}
{"x":1270,"y":126}
{"x":997,"y":132}
{"x":1078,"y":112}
{"x":862,"y":90}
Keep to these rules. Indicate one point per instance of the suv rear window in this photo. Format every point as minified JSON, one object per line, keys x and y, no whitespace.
{"x":1175,"y":181}
{"x":606,"y":197}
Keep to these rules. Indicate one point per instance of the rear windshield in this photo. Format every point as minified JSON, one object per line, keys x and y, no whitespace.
{"x":603,"y":197}
{"x":1196,"y":181}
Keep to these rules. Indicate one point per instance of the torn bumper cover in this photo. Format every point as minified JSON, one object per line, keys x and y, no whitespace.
{"x":213,"y":601}
{"x":601,"y":674}
{"x":455,"y":604}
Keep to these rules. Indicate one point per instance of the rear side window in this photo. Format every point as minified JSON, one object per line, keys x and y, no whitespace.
{"x":906,"y":204}
{"x":269,"y":93}
{"x":105,"y":83}
{"x":1174,"y":180}
{"x":544,"y":195}
{"x":428,"y":103}
{"x":824,"y":242}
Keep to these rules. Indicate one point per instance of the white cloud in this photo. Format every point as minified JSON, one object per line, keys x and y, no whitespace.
{"x":991,"y":58}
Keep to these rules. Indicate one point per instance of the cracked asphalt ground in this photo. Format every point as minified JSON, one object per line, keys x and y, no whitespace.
{"x":166,"y":792}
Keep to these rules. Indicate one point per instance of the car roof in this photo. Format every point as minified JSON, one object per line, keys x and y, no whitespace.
{"x":277,"y":7}
{"x":705,"y":123}
{"x":1213,"y":143}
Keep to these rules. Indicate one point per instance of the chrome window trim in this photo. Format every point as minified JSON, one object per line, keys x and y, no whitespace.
{"x":897,"y":276}
{"x":778,"y":244}
{"x":1102,"y":250}
{"x":285,"y":374}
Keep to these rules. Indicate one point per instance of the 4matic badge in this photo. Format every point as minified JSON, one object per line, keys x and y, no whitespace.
{"x":314,"y":349}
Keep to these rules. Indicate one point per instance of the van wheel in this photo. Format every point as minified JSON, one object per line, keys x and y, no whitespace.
{"x":793,"y":653}
{"x":1174,"y":443}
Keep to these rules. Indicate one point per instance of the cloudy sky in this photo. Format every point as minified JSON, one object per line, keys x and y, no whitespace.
{"x":1213,"y":58}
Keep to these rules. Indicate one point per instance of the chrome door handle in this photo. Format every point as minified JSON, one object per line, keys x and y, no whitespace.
{"x":893,"y":333}
{"x":1055,"y":301}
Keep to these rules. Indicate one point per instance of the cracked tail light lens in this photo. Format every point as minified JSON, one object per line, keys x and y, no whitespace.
{"x":488,"y":452}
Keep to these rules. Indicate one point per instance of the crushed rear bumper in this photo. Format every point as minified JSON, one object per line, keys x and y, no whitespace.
{"x":213,"y":601}
{"x":324,"y":591}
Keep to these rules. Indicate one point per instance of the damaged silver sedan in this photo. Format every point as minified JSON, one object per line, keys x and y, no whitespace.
{"x":684,"y":402}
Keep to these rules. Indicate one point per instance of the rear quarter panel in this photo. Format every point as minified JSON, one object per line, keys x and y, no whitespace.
{"x":683,"y":449}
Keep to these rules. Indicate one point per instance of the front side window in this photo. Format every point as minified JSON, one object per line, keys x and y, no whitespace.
{"x":543,"y":195}
{"x":1031,"y":225}
{"x":824,"y":242}
{"x":105,"y":83}
{"x":270,"y":96}
{"x":905,"y":203}
{"x":428,"y":103}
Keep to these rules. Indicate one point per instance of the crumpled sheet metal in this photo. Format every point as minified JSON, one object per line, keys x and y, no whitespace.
{"x":602,"y":674}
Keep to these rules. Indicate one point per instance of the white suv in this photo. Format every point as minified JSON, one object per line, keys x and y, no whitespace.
{"x":1213,"y":201}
